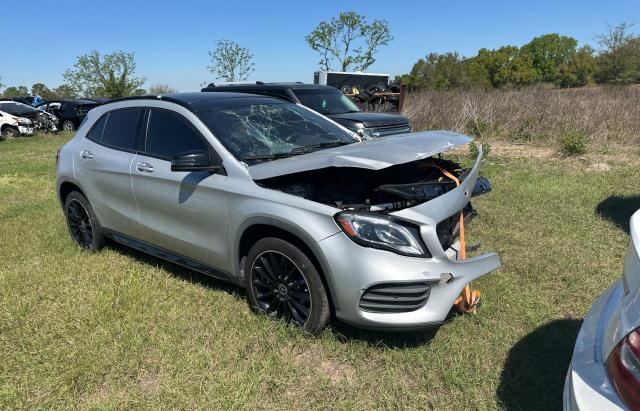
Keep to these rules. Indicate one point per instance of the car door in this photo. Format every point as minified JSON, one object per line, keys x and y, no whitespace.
{"x":103,"y":164}
{"x":184,"y":212}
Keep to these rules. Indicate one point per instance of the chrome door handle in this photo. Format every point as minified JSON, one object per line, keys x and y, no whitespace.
{"x":144,"y":167}
{"x":86,"y":154}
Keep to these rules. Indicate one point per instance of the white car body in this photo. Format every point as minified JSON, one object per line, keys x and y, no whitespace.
{"x":612,"y":317}
{"x":24,"y":125}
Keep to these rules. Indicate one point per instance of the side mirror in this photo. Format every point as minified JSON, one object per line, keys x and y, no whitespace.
{"x":193,"y":161}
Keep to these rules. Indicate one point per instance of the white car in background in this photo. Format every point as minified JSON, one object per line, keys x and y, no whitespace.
{"x":12,"y":126}
{"x":605,"y":369}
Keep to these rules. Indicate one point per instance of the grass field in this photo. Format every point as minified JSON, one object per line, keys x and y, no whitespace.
{"x":121,"y":330}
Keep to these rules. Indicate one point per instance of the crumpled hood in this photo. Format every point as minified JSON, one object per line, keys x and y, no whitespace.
{"x":372,"y":154}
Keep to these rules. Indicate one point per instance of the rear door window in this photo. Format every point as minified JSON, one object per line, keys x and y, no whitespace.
{"x":170,"y":134}
{"x":121,"y":128}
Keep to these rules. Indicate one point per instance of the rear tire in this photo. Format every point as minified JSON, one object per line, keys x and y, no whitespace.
{"x":82,"y":222}
{"x":68,"y":126}
{"x":282,"y":282}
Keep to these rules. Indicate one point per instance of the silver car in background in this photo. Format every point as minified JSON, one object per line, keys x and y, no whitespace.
{"x":276,"y":198}
{"x":605,"y":369}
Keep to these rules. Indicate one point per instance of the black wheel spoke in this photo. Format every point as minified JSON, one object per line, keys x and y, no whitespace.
{"x":294,"y":313}
{"x":280,"y":288}
{"x":265,"y":275}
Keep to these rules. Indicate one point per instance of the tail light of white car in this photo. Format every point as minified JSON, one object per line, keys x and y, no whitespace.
{"x":623,"y":366}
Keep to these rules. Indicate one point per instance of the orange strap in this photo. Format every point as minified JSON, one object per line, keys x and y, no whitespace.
{"x":470,"y":299}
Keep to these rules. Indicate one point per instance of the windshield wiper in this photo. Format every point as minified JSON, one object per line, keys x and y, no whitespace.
{"x":273,"y":156}
{"x":314,"y":147}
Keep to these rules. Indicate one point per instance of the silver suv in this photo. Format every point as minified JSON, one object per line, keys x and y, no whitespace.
{"x":276,"y":198}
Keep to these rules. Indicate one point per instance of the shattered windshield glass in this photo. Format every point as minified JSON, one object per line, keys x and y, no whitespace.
{"x":263,"y":132}
{"x":326,"y":101}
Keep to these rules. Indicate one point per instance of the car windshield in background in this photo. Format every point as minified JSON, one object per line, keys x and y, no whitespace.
{"x":326,"y":101}
{"x":263,"y":132}
{"x":16,"y":108}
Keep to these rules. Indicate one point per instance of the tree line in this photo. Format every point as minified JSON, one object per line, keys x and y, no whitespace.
{"x":350,"y":42}
{"x":550,"y":58}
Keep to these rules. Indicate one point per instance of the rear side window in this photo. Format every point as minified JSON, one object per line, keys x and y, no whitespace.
{"x":121,"y":128}
{"x":170,"y":134}
{"x":95,"y":133}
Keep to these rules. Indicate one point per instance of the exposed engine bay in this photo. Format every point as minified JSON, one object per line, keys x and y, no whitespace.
{"x":386,"y":190}
{"x":389,"y":189}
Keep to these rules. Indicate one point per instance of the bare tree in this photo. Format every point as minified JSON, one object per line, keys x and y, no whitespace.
{"x":161,"y":89}
{"x":230,"y":61}
{"x":350,"y":40}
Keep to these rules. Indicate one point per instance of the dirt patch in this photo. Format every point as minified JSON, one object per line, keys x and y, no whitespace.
{"x":336,"y":371}
{"x":149,"y":383}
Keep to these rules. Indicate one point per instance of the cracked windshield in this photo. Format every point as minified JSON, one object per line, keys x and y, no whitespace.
{"x":263,"y":132}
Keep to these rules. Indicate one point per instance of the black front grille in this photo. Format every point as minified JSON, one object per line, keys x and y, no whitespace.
{"x":382,"y":131}
{"x":395,"y":297}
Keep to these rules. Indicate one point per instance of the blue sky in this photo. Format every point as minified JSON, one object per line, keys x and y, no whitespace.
{"x":171,"y":39}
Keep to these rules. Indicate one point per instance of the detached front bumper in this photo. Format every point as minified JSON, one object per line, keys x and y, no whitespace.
{"x":25,"y":130}
{"x":355,"y":271}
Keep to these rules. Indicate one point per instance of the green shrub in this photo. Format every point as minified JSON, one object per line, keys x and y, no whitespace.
{"x":477,"y":127}
{"x":473,"y":150}
{"x":574,"y":143}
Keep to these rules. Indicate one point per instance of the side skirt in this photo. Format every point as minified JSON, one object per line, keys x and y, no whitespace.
{"x":172,"y":257}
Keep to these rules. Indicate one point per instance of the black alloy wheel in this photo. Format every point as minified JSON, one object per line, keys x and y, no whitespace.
{"x":281,"y":289}
{"x":80,"y":224}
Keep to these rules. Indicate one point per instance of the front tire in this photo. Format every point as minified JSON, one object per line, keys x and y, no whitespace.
{"x":282,"y":282}
{"x":82,"y":222}
{"x":11,"y":132}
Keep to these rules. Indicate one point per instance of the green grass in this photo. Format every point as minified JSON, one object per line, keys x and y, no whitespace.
{"x":120,"y":330}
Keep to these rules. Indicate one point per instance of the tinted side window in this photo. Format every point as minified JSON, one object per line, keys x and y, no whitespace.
{"x":121,"y":128}
{"x":95,"y":133}
{"x":170,"y":134}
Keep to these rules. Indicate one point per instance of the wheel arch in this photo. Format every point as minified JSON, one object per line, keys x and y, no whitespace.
{"x":259,"y":228}
{"x":67,"y":187}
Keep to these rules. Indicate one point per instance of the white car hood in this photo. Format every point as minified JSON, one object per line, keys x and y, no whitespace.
{"x":373,"y":154}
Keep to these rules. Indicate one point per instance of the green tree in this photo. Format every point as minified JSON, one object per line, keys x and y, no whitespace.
{"x":1,"y":84}
{"x":110,"y":75}
{"x":161,"y":89}
{"x":548,"y":53}
{"x":12,"y":92}
{"x":65,"y":91}
{"x":439,"y":72}
{"x":619,"y":58}
{"x":508,"y":67}
{"x":230,"y":61}
{"x":350,"y":40}
{"x":43,"y":91}
{"x":579,"y":70}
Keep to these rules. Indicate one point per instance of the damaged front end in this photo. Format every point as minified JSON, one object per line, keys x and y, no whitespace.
{"x":383,"y":191}
{"x":398,"y":204}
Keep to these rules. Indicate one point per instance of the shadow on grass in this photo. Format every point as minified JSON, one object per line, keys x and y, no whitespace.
{"x":342,"y":331}
{"x":183,"y":273}
{"x":618,"y":210}
{"x":383,"y":339}
{"x":533,"y":375}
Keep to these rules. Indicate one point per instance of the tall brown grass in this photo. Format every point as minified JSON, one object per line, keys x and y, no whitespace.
{"x":606,"y":115}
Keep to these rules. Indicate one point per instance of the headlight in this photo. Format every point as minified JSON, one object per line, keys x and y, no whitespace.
{"x":24,"y":121}
{"x":382,"y":232}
